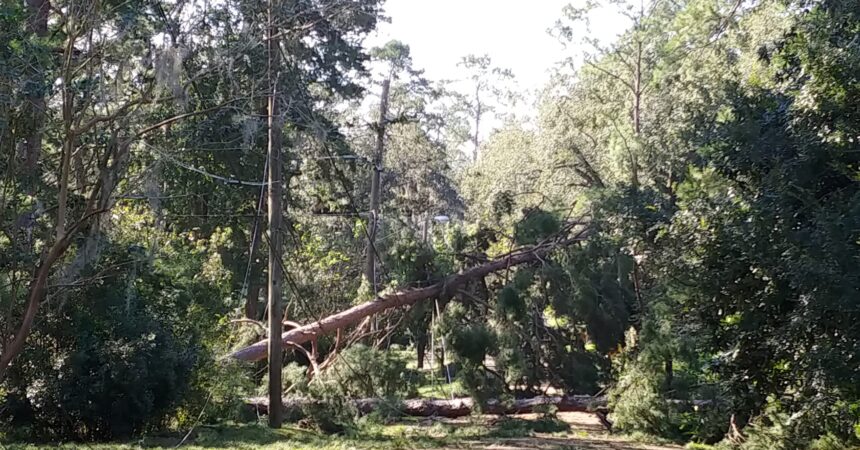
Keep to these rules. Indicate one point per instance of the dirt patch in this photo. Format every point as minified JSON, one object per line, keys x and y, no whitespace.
{"x":586,"y":433}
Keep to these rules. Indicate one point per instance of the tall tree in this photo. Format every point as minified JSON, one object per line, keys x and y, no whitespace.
{"x":106,"y":107}
{"x":485,"y":93}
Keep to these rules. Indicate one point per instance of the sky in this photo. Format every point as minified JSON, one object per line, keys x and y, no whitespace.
{"x":512,"y":32}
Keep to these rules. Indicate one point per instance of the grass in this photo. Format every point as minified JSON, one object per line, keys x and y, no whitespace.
{"x":439,"y":389}
{"x":368,"y":436}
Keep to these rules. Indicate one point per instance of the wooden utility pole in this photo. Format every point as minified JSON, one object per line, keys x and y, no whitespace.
{"x":373,"y":225}
{"x":276,"y":210}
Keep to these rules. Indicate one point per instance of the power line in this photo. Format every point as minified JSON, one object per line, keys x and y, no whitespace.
{"x":254,"y":233}
{"x":225,"y":180}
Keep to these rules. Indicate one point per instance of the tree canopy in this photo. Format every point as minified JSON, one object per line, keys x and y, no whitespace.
{"x":671,"y":225}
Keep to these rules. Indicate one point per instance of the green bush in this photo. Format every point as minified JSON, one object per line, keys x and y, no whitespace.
{"x":113,"y":372}
{"x":120,"y":357}
{"x":638,"y":405}
{"x":778,"y":430}
{"x":218,"y":393}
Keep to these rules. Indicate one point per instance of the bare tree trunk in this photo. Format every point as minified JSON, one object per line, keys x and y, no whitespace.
{"x":80,"y":170}
{"x":421,"y":350}
{"x":670,"y":373}
{"x":357,"y":313}
{"x":375,"y":188}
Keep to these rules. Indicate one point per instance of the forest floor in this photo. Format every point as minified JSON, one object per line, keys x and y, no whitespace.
{"x":573,"y":431}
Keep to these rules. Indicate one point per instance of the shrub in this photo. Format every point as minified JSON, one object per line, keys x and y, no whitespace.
{"x":112,"y":373}
{"x":117,"y":357}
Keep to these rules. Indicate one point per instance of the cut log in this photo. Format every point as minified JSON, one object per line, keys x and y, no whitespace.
{"x":454,"y":408}
{"x":351,"y":316}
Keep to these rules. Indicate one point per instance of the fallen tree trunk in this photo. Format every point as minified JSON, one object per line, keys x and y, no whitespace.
{"x":351,"y":316}
{"x":454,"y":408}
{"x":464,"y":406}
{"x":460,"y":407}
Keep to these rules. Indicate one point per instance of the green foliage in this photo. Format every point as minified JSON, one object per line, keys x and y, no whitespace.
{"x":512,"y":427}
{"x":411,"y":262}
{"x":767,"y":228}
{"x":503,"y":204}
{"x":536,"y":226}
{"x":473,"y":342}
{"x":120,"y":361}
{"x":219,"y":390}
{"x":359,"y":372}
{"x":828,"y":442}
{"x":368,"y":435}
{"x":713,"y":149}
{"x":509,"y":304}
{"x":638,"y":404}
{"x":592,"y":285}
{"x":483,"y":385}
{"x":364,"y":372}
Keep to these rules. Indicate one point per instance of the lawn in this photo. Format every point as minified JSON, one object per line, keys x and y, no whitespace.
{"x":573,"y":431}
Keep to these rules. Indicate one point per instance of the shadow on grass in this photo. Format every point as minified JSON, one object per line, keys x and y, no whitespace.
{"x":377,"y":437}
{"x":402,"y":435}
{"x":515,"y":427}
{"x":416,"y":434}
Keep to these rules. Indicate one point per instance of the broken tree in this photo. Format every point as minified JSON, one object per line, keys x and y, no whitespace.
{"x":354,"y":315}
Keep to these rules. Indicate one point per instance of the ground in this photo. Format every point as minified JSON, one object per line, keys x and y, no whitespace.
{"x":573,"y":431}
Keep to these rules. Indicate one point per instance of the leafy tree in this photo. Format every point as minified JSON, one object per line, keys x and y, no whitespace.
{"x":486,"y":93}
{"x":773,"y":232}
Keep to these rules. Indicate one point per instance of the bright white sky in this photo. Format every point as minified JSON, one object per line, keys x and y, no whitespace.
{"x":512,"y":32}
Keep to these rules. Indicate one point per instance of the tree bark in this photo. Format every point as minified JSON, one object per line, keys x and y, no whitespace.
{"x":421,"y":350}
{"x":357,"y":313}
